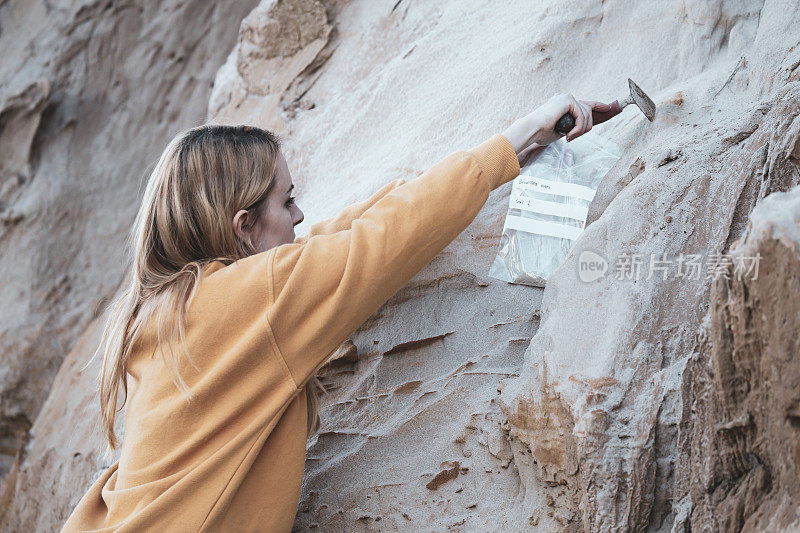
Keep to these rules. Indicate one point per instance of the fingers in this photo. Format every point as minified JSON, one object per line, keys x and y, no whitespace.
{"x":597,"y":106}
{"x":538,"y":127}
{"x":587,"y":113}
{"x":582,"y":111}
{"x":587,"y":110}
{"x":576,"y":109}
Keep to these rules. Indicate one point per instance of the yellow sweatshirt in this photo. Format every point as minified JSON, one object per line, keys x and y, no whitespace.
{"x":232,"y":458}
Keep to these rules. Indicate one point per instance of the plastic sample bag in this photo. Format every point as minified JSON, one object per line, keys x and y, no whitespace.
{"x":548,"y":207}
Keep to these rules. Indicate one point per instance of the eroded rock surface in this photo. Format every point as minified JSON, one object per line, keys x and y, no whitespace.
{"x":599,"y":399}
{"x":740,"y":429}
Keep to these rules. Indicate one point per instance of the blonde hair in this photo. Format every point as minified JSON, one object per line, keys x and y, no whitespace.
{"x":204,"y":176}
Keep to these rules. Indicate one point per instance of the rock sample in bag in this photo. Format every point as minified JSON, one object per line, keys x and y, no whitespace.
{"x":548,"y":206}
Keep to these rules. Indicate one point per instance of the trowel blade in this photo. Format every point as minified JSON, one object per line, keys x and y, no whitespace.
{"x":642,"y":100}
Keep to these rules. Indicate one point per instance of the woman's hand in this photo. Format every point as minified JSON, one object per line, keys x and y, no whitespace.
{"x":531,"y":133}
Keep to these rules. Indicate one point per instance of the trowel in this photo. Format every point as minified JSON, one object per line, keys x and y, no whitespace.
{"x":637,"y":96}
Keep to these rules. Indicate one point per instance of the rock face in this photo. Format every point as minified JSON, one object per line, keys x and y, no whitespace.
{"x":90,"y":92}
{"x":598,"y":402}
{"x":466,"y":403}
{"x":740,"y":428}
{"x":63,"y":452}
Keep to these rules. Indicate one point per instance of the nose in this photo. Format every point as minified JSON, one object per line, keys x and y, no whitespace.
{"x":299,"y":220}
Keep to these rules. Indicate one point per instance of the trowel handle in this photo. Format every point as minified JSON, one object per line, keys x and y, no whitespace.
{"x":567,"y":121}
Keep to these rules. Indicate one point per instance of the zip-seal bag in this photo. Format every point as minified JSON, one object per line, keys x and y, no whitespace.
{"x":548,"y":206}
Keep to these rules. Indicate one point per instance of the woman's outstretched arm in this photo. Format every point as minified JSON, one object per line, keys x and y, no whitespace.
{"x":323,"y":288}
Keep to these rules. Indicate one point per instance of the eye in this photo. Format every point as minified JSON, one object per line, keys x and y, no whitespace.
{"x":290,"y":201}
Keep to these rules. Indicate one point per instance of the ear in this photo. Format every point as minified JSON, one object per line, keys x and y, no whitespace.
{"x":242,"y":222}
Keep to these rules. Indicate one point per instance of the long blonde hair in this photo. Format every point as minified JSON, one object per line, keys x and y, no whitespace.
{"x":203,"y":177}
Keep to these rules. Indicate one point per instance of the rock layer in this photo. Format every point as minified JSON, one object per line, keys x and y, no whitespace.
{"x":740,"y":427}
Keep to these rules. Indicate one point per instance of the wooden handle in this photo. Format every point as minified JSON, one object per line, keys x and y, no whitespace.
{"x":567,"y":121}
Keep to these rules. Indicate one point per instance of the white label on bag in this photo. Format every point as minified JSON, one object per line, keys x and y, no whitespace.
{"x":553,"y":229}
{"x":544,"y":207}
{"x":554,"y":187}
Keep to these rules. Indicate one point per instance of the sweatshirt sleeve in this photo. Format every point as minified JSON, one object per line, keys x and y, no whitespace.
{"x":324,"y":287}
{"x":344,"y":218}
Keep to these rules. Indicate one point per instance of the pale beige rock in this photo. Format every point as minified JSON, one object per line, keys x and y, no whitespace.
{"x":63,"y":454}
{"x":740,"y":427}
{"x":598,"y":401}
{"x":279,"y":41}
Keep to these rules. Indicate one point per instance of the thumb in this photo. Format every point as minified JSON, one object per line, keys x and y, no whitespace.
{"x":597,"y":106}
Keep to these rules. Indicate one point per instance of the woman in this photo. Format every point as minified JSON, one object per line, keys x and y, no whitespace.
{"x":227,"y":316}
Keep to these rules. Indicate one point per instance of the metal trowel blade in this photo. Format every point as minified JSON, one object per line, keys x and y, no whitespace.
{"x":642,"y":100}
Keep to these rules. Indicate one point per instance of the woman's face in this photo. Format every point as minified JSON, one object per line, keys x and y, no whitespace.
{"x":278,"y":216}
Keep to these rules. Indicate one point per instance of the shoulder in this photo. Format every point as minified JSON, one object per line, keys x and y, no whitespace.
{"x":242,"y":284}
{"x":250,"y":268}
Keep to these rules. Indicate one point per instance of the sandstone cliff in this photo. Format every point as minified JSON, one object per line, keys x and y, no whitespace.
{"x":651,"y":404}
